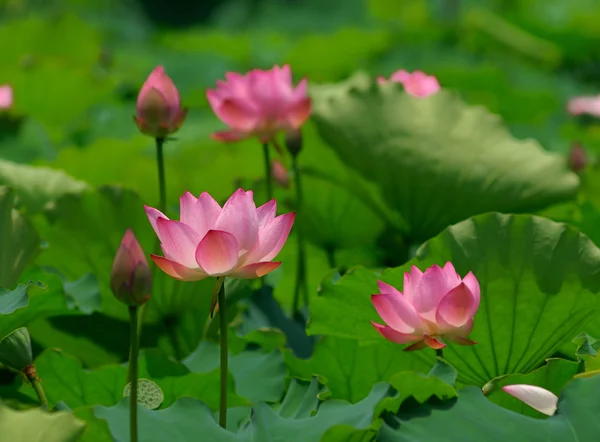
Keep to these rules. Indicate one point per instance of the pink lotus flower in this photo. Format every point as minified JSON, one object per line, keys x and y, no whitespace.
{"x":436,"y":304}
{"x":260,"y":103}
{"x":130,"y":278}
{"x":538,"y":398}
{"x":237,"y":240}
{"x":417,"y":84}
{"x":6,"y":97}
{"x":584,"y":105}
{"x":159,"y":110}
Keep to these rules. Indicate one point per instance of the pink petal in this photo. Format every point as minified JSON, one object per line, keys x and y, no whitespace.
{"x":238,"y":114}
{"x":412,"y":280}
{"x":400,"y":76}
{"x":230,"y":136}
{"x":271,"y":239}
{"x":471,"y":282}
{"x":419,"y":345}
{"x":392,"y":335}
{"x":239,"y":218}
{"x":6,"y":97}
{"x":178,"y":271}
{"x":432,"y":342}
{"x":536,"y":397}
{"x":256,"y":270}
{"x":187,"y":203}
{"x":206,"y":213}
{"x":217,"y":253}
{"x":398,"y":313}
{"x":134,"y":247}
{"x":153,"y":215}
{"x":386,"y":289}
{"x":178,"y":241}
{"x":266,"y":213}
{"x":298,"y":113}
{"x":432,"y":288}
{"x":452,"y":276}
{"x":456,"y":308}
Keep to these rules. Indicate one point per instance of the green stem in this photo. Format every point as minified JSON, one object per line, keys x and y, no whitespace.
{"x":133,"y":373}
{"x":439,"y":353}
{"x":301,"y":284}
{"x":162,"y":185}
{"x":224,"y":355}
{"x":32,"y":377}
{"x":330,"y":252}
{"x":268,"y":177}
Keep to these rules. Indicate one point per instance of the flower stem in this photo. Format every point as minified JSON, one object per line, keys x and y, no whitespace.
{"x":439,"y":353}
{"x":268,"y":177}
{"x":224,"y":355}
{"x":301,"y":284}
{"x":133,"y":373}
{"x":32,"y":377}
{"x":162,"y":185}
{"x":330,"y":252}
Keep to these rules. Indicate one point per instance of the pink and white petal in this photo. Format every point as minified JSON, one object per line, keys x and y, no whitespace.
{"x":433,"y":342}
{"x":178,"y":271}
{"x":459,"y":340}
{"x":471,"y":281}
{"x":412,"y":280}
{"x":536,"y":397}
{"x":238,"y":114}
{"x":400,"y":76}
{"x":271,"y":239}
{"x":154,"y":214}
{"x":452,"y":276}
{"x":206,"y":213}
{"x":298,"y":112}
{"x":256,"y":270}
{"x":387,"y":289}
{"x":239,"y":218}
{"x":397,"y":313}
{"x":187,"y":203}
{"x":301,"y":90}
{"x":230,"y":136}
{"x":432,"y":288}
{"x":392,"y":335}
{"x":217,"y":253}
{"x":178,"y":241}
{"x":456,"y":308}
{"x":266,"y":213}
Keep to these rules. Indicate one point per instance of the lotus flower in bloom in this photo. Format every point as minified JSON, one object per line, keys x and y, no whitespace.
{"x":435,"y":305}
{"x":6,"y":97}
{"x":584,"y":105}
{"x":536,"y":397}
{"x":237,"y":240}
{"x":417,"y":84}
{"x":260,"y":103}
{"x":159,"y":110}
{"x":130,"y":278}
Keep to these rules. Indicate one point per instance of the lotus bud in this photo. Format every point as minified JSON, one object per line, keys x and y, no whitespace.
{"x":578,"y":158}
{"x":293,"y":142}
{"x":6,"y":97}
{"x":15,"y":350}
{"x":280,"y":174}
{"x":130,"y":278}
{"x":159,"y":110}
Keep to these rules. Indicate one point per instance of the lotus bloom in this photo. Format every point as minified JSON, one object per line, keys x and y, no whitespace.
{"x":538,"y":398}
{"x":6,"y":97}
{"x":584,"y":105}
{"x":435,"y":305}
{"x":417,"y":84}
{"x":159,"y":110}
{"x":237,"y":240}
{"x":130,"y":278}
{"x":260,"y":103}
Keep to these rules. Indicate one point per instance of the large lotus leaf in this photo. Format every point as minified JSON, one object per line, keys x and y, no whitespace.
{"x":66,"y":381}
{"x":436,"y":160}
{"x":350,"y":369}
{"x":474,"y":418}
{"x":20,"y":242}
{"x":37,"y":425}
{"x":538,"y":283}
{"x":300,"y":415}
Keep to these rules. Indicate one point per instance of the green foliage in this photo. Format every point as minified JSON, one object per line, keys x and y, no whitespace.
{"x":38,"y":425}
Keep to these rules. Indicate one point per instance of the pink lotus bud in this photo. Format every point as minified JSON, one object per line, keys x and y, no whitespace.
{"x":584,"y":106}
{"x":260,"y":103}
{"x":280,"y":174}
{"x":237,"y":240}
{"x":159,"y":110}
{"x":436,"y":305}
{"x":578,"y":158}
{"x":538,"y":398}
{"x":417,"y":84}
{"x":6,"y":97}
{"x":130,"y":278}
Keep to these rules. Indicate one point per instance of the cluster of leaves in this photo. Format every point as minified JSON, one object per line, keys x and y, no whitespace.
{"x":391,"y":181}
